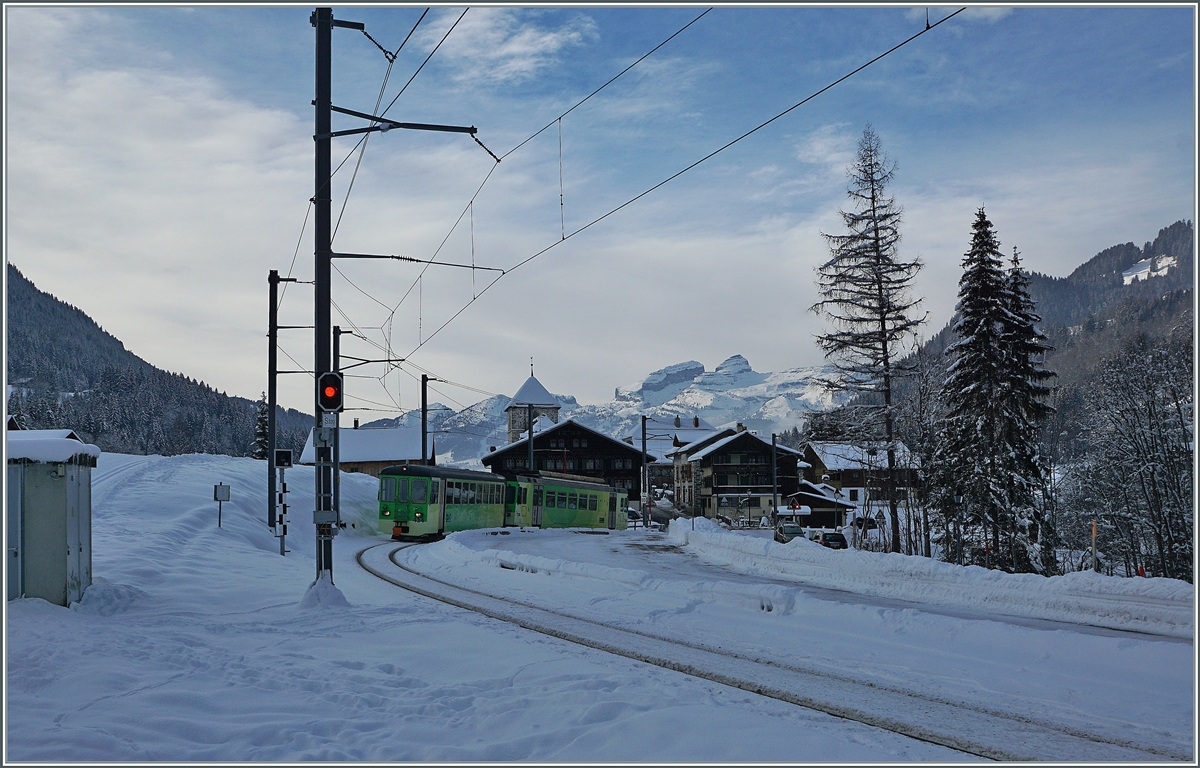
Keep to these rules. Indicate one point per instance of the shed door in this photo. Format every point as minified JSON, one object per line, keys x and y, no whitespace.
{"x":74,"y":547}
{"x":16,"y":511}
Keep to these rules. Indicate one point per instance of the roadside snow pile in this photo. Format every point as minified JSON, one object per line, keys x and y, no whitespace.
{"x":1163,"y":606}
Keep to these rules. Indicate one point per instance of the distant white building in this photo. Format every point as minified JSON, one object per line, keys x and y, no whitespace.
{"x":855,"y":473}
{"x":371,"y":451}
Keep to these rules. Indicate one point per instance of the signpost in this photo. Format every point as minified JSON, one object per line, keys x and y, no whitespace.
{"x":220,"y":495}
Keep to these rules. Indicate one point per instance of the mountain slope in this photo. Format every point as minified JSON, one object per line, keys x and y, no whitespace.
{"x":66,"y":372}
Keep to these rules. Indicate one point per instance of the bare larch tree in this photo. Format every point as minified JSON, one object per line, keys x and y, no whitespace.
{"x":865,"y":294}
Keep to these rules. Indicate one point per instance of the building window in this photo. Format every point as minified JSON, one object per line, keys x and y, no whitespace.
{"x":570,"y":464}
{"x":589,"y":463}
{"x":853,"y":494}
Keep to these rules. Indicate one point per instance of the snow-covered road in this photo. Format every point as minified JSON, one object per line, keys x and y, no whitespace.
{"x":193,"y":645}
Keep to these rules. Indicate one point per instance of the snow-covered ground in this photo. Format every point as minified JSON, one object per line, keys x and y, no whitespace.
{"x":193,"y":644}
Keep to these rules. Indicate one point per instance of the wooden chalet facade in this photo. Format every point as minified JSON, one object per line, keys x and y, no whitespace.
{"x":730,"y":475}
{"x":817,"y":506}
{"x":860,"y":473}
{"x":570,"y":447}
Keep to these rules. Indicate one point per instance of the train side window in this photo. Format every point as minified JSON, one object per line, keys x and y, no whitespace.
{"x":402,"y":490}
{"x":433,"y":497}
{"x":572,"y":502}
{"x":493,"y":497}
{"x":591,"y":502}
{"x":420,"y":491}
{"x":451,"y":491}
{"x":562,"y":500}
{"x":473,"y":493}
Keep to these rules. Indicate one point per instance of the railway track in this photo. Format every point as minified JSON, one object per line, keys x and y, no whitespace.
{"x":961,"y":726}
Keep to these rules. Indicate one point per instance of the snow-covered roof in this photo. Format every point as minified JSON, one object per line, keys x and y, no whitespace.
{"x":727,"y":440}
{"x":396,"y":444}
{"x":841,"y":456}
{"x":47,"y":445}
{"x":533,"y":393}
{"x":538,"y":432}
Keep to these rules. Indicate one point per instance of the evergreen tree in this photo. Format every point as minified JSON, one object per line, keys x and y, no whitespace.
{"x":987,"y":448}
{"x":1026,"y":408}
{"x":262,"y":446}
{"x":864,"y":289}
{"x":968,"y":456}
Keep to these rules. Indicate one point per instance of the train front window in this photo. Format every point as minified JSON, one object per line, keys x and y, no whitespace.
{"x":402,"y":490}
{"x":420,"y":491}
{"x":387,"y":489}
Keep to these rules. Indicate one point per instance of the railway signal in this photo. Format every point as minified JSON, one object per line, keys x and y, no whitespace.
{"x":329,"y":392}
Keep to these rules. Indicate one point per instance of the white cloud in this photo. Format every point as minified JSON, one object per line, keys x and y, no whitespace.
{"x":500,"y":45}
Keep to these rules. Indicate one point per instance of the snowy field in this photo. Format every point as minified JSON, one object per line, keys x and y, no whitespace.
{"x":192,"y":644}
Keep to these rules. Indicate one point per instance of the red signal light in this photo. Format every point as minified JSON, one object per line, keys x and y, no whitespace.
{"x":329,"y":392}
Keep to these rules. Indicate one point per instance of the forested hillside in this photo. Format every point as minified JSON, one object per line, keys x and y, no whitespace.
{"x":65,"y":371}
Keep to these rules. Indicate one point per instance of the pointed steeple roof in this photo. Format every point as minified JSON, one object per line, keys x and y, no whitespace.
{"x":533,"y":393}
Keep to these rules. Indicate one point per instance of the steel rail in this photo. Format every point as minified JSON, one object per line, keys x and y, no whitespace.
{"x":945,"y":721}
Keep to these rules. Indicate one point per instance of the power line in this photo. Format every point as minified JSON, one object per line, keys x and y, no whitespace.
{"x":601,"y":88}
{"x":423,"y":63}
{"x":492,"y":170}
{"x":676,"y":175}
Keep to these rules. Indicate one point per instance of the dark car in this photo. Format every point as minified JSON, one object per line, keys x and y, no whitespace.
{"x":785,"y":532}
{"x":832,"y":540}
{"x":865,"y":522}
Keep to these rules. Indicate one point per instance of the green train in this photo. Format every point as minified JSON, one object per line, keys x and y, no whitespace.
{"x":423,"y":502}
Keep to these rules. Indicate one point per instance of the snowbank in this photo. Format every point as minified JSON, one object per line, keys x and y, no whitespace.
{"x":1162,"y":606}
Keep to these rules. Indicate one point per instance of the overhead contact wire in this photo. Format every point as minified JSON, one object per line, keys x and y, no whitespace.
{"x":676,"y":175}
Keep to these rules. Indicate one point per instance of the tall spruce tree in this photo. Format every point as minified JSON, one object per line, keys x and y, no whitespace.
{"x":865,"y":293}
{"x":968,"y":455}
{"x":262,"y":444}
{"x":1026,"y":408}
{"x":987,"y":449}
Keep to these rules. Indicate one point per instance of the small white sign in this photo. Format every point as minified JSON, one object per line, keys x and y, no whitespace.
{"x":221,"y":492}
{"x":329,"y":420}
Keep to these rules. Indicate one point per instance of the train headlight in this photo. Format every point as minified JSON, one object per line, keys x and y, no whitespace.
{"x":387,"y":513}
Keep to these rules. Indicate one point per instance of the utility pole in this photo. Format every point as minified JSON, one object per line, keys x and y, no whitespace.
{"x":424,"y":415}
{"x":529,"y":427}
{"x":774,"y":480}
{"x":325,"y":516}
{"x":645,"y":480}
{"x":273,"y":281}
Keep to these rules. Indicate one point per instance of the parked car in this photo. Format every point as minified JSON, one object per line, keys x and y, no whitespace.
{"x":833,"y":540}
{"x":865,"y":523}
{"x":785,"y":532}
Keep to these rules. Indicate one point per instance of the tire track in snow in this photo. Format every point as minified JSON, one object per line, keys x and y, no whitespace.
{"x":966,"y":728}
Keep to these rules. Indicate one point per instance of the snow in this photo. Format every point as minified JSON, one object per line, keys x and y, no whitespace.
{"x":47,"y":445}
{"x":373,"y":444}
{"x":198,"y":643}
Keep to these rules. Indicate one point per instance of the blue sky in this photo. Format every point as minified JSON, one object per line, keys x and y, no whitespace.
{"x":159,"y":163}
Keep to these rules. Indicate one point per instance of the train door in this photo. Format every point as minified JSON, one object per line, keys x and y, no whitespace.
{"x":441,"y":507}
{"x":612,"y":511}
{"x":511,"y":516}
{"x":536,"y":521}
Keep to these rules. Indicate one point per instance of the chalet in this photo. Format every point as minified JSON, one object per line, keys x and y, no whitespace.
{"x":859,"y":472}
{"x":817,"y":506}
{"x":663,"y":437}
{"x":373,"y":450}
{"x":572,"y":448}
{"x":731,"y":475}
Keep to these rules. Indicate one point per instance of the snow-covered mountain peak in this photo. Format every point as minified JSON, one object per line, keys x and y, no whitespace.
{"x":734,"y":365}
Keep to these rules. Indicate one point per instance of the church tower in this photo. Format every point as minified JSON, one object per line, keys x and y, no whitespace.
{"x":531,"y":393}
